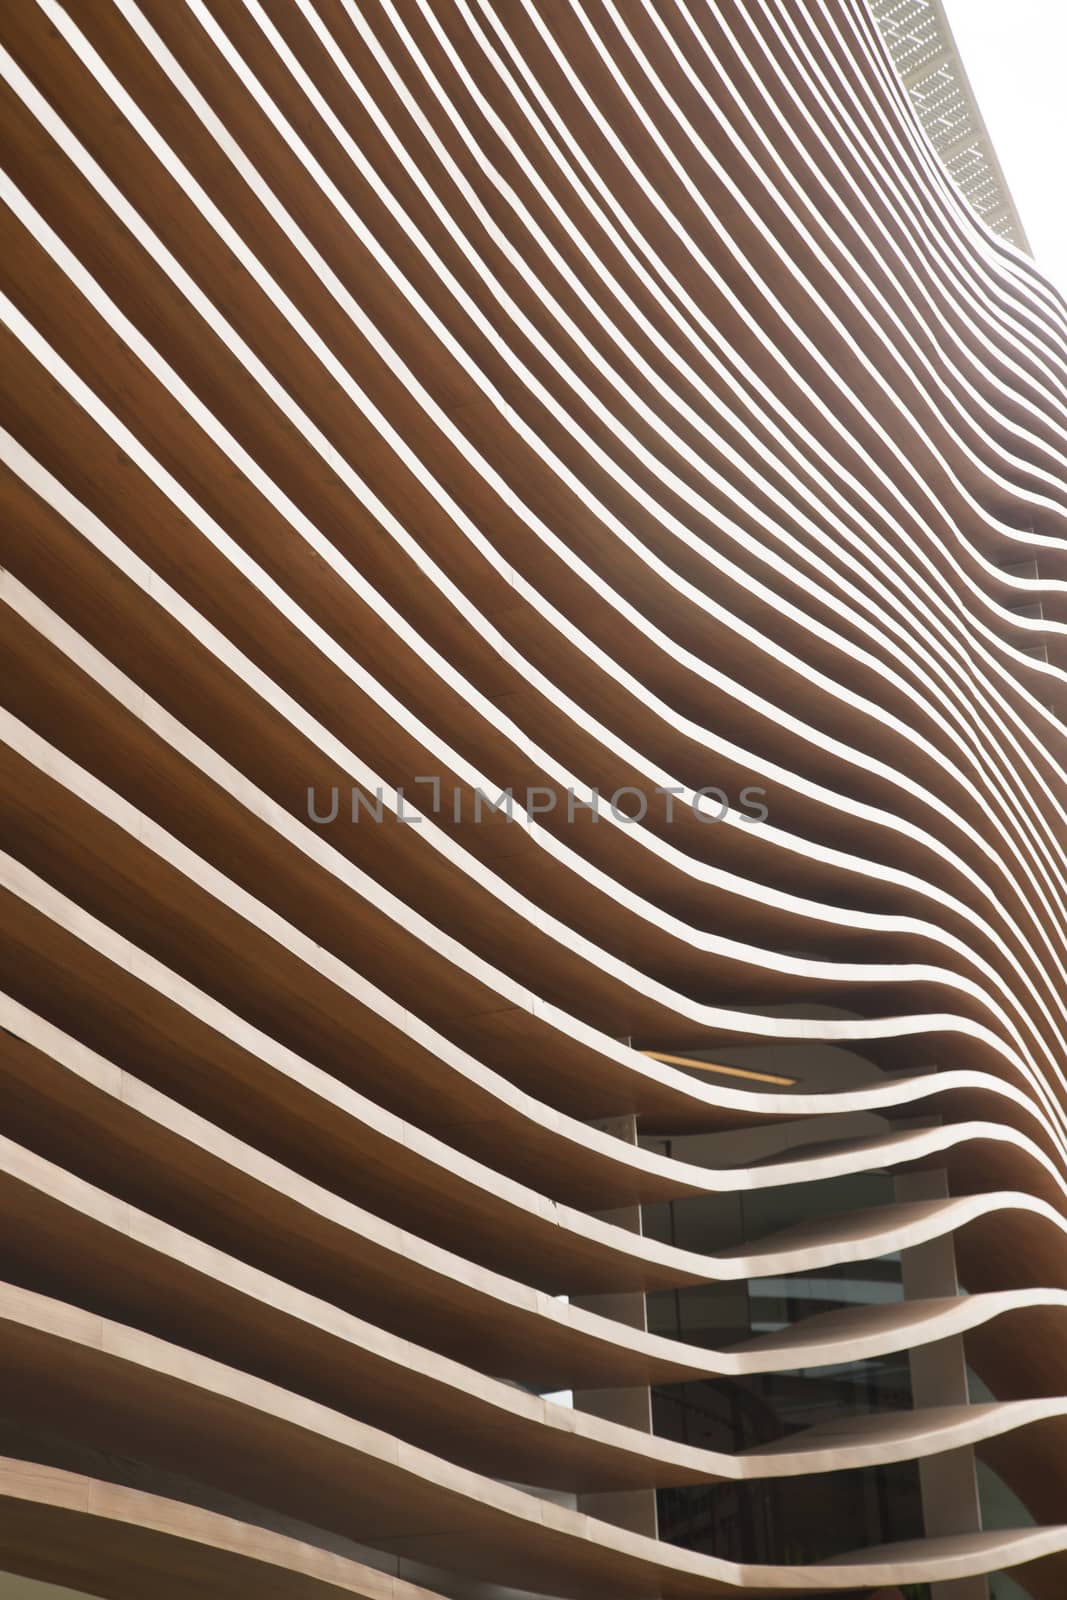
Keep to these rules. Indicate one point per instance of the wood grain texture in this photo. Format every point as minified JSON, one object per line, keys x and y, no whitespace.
{"x":435,"y":401}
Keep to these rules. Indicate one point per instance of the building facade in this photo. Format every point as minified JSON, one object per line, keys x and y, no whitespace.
{"x":535,"y":812}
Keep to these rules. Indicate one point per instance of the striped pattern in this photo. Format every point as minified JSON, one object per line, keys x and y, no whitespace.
{"x":561,"y":397}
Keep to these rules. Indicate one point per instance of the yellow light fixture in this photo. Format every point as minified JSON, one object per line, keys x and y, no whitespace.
{"x":714,"y":1066}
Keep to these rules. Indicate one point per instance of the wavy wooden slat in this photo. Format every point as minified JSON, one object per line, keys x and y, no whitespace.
{"x":588,"y":397}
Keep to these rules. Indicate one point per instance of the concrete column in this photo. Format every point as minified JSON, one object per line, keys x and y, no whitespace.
{"x":634,"y":1509}
{"x":939,"y":1378}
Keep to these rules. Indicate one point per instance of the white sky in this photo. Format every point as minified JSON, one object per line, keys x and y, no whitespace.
{"x":1015,"y":54}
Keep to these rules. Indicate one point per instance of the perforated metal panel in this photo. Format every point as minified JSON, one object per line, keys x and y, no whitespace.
{"x":924,"y":53}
